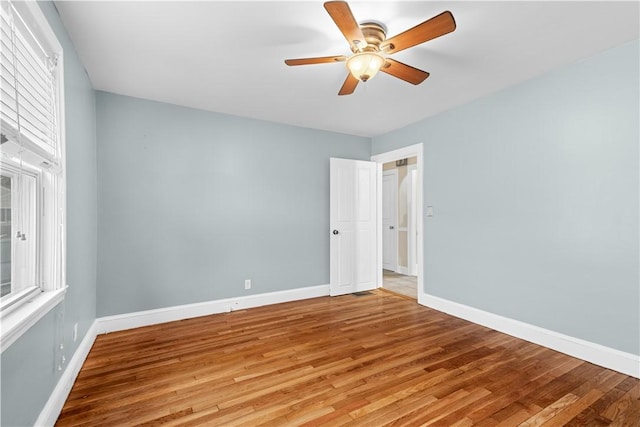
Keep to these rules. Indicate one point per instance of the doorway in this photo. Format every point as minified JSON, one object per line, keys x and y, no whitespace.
{"x":400,"y":268}
{"x":398,"y":227}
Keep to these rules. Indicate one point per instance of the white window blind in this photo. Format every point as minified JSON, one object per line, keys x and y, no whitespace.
{"x":28,"y":89}
{"x":32,"y":199}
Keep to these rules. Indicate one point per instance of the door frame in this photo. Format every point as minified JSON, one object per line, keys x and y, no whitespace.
{"x":415,"y":150}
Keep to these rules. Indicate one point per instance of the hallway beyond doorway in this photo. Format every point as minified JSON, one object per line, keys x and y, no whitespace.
{"x":399,"y":283}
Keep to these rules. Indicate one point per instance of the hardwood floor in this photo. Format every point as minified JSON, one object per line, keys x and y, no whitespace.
{"x":370,"y":360}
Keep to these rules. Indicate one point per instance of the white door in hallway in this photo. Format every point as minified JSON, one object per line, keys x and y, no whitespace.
{"x":389,"y":220}
{"x":412,"y":209}
{"x":352,"y":223}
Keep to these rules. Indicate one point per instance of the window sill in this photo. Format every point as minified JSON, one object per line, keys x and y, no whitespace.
{"x":18,"y":321}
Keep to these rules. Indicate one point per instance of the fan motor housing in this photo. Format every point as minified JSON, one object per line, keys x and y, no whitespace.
{"x":374,"y":34}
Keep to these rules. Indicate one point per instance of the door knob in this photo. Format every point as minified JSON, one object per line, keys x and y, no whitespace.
{"x":336,"y":232}
{"x":391,"y":227}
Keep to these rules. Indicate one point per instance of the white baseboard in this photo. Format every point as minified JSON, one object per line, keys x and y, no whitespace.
{"x":138,"y":319}
{"x":626,"y":363}
{"x":51,"y":411}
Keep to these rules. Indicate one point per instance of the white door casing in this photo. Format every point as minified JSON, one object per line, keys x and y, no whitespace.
{"x":353,"y":225}
{"x":390,"y":220}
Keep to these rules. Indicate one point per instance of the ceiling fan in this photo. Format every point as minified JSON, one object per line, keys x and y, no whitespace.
{"x":371,"y":48}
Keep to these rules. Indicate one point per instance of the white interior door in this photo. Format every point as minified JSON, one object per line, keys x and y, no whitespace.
{"x":413,"y":216}
{"x":389,"y":220}
{"x":352,"y":226}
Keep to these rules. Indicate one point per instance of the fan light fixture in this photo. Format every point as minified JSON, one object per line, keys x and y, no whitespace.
{"x":365,"y":65}
{"x":372,"y":49}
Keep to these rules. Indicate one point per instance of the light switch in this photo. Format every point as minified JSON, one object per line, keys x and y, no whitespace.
{"x":429,"y":211}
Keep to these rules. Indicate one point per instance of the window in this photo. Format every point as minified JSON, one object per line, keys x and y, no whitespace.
{"x":19,"y":232}
{"x":32,"y":175}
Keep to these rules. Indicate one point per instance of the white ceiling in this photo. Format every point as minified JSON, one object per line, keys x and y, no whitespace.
{"x":228,"y":56}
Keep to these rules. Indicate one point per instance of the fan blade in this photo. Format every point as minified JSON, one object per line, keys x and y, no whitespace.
{"x":319,"y":60}
{"x":404,"y":72}
{"x":342,"y":16}
{"x":349,"y":85}
{"x":435,"y":27}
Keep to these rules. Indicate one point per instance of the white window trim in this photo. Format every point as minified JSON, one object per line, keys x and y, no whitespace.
{"x":18,"y":321}
{"x":14,"y":323}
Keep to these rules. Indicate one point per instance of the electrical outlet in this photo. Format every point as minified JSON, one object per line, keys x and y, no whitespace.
{"x":75,"y":332}
{"x":247,"y":284}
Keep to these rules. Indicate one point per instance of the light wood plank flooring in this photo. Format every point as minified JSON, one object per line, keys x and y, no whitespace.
{"x":400,"y":284}
{"x":370,"y":360}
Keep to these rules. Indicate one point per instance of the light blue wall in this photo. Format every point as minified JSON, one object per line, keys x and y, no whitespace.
{"x":192,"y":203}
{"x":535,"y":196}
{"x":28,"y":366}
